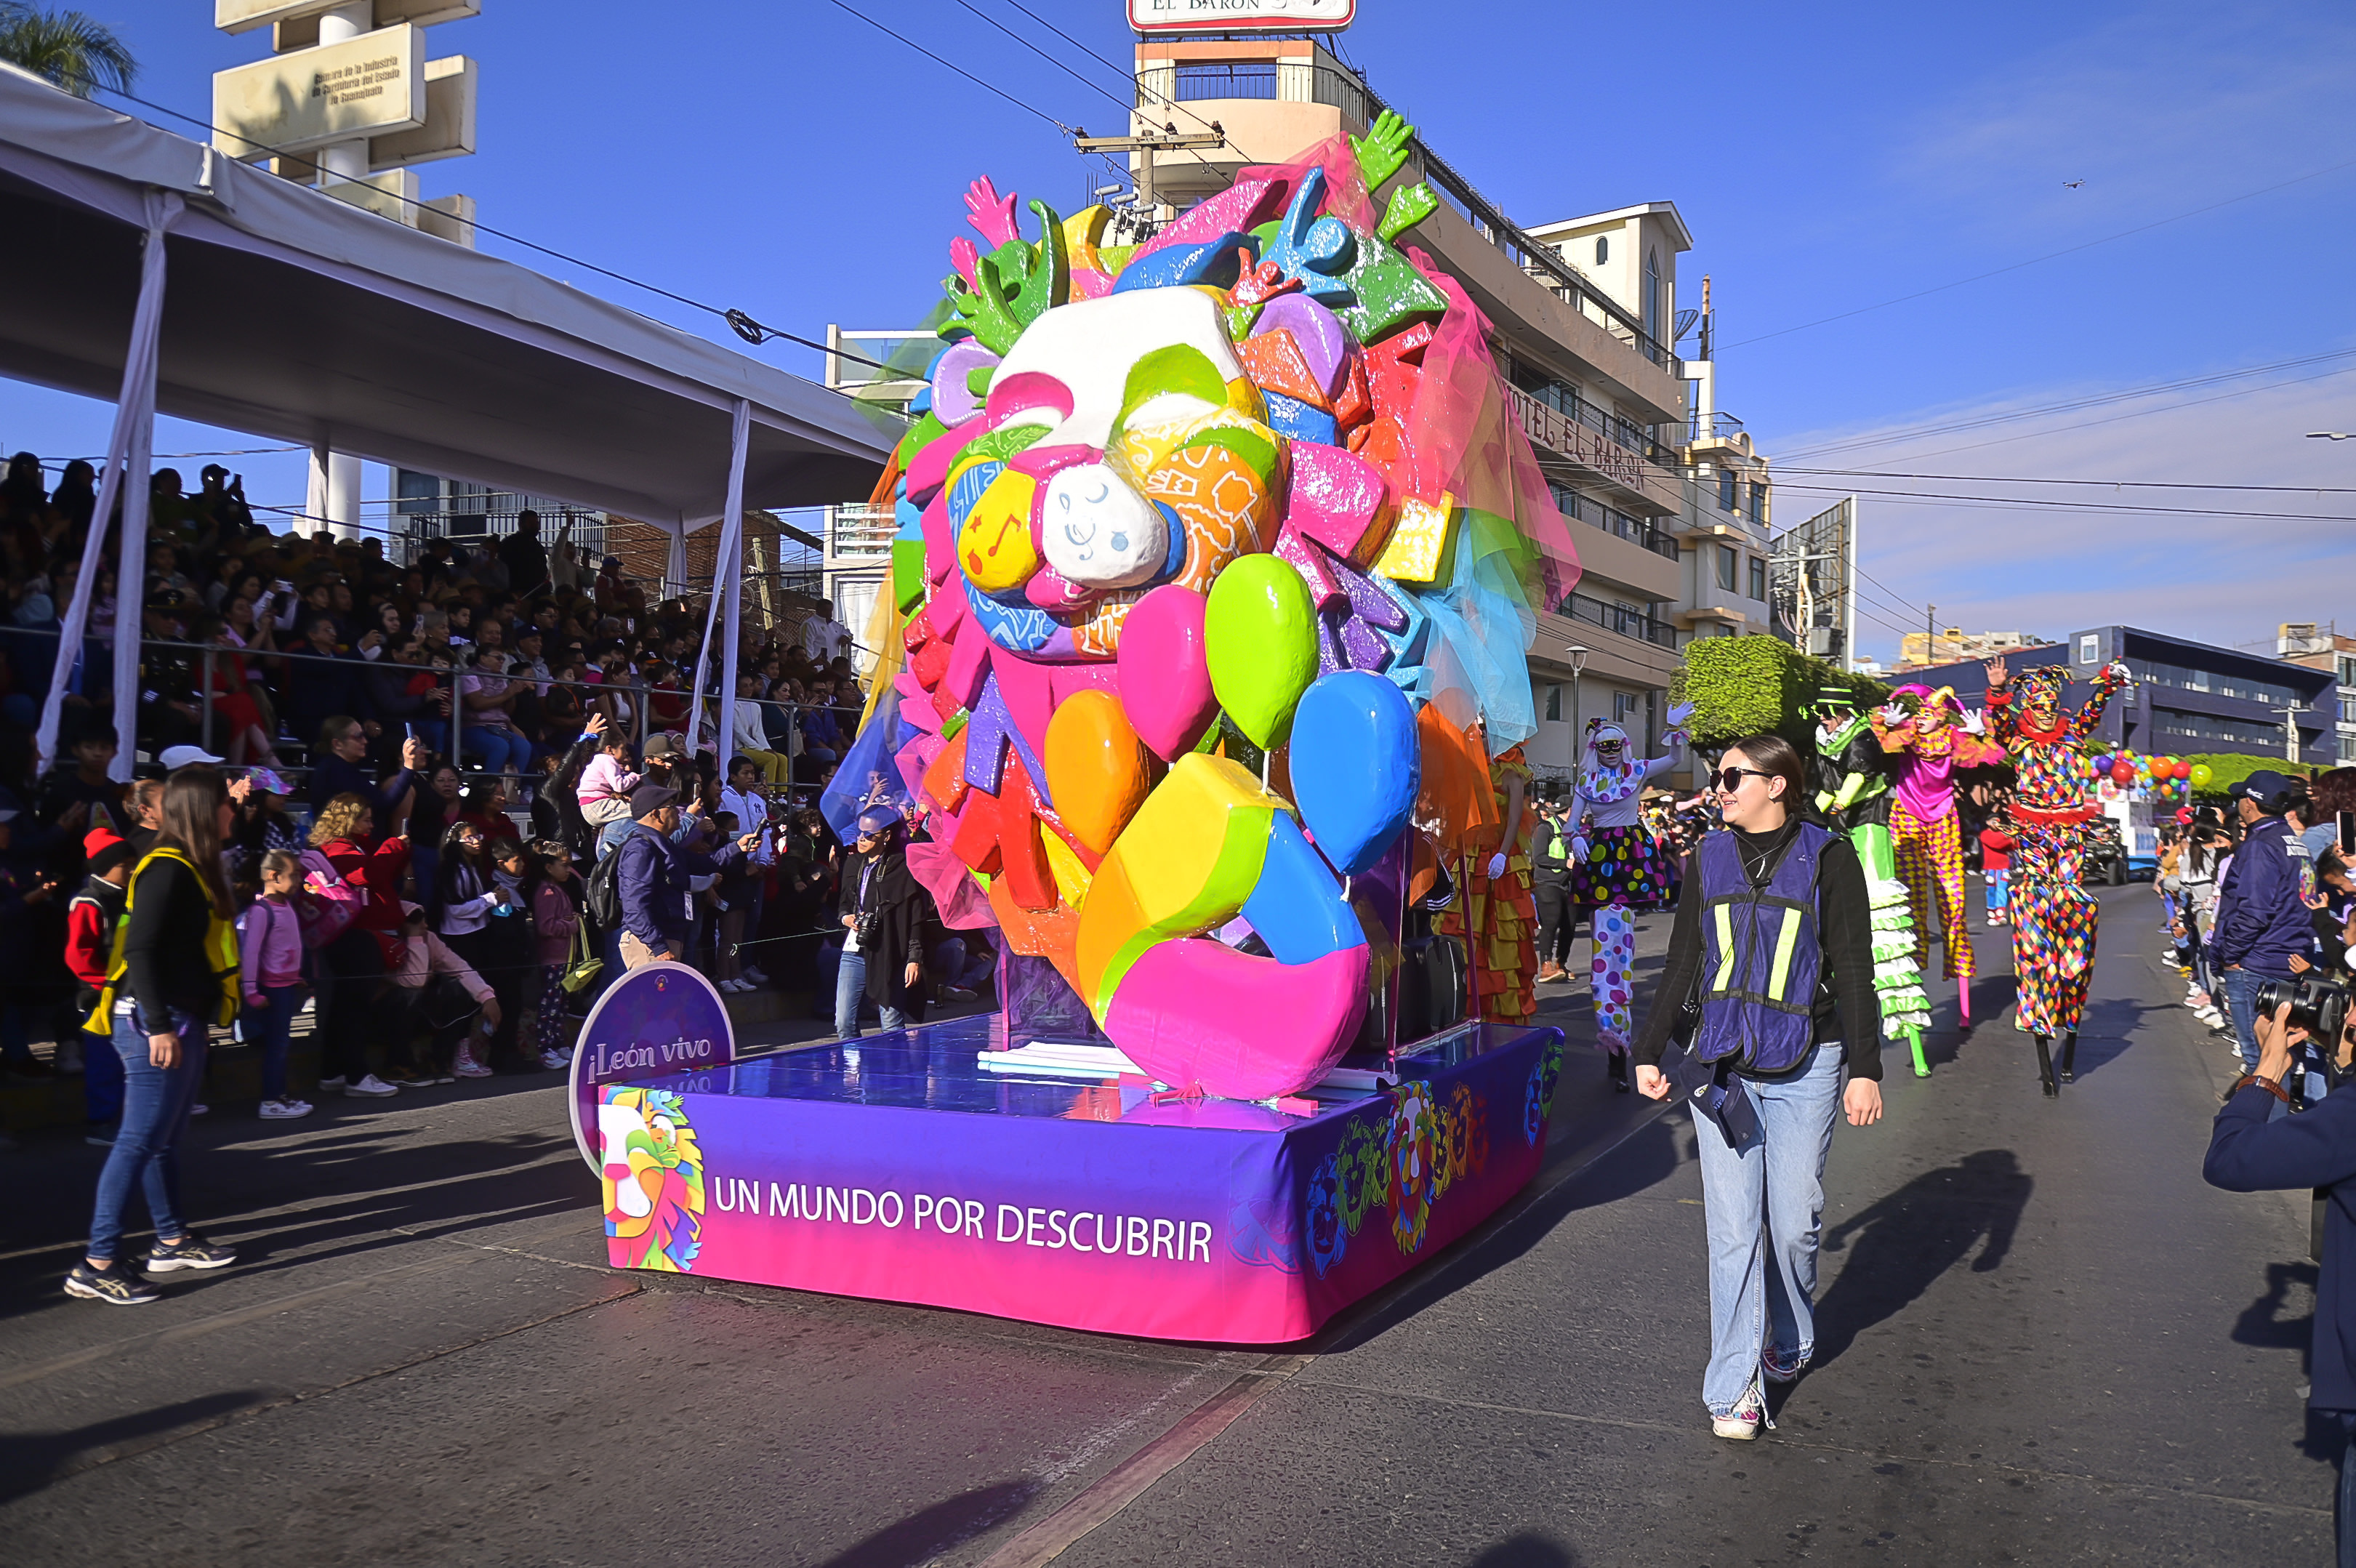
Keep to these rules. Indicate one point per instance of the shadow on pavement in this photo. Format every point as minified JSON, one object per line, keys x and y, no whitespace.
{"x":2262,"y":1323}
{"x":1647,"y":1155}
{"x":923,"y":1536}
{"x":1910,"y":1238}
{"x":30,"y":1460}
{"x":1527,"y":1550}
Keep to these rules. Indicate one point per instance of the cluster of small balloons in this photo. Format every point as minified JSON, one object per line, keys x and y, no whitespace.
{"x":2167,"y":777}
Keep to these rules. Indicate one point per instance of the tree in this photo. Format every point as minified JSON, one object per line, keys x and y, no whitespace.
{"x":69,"y":49}
{"x":1753,"y":686}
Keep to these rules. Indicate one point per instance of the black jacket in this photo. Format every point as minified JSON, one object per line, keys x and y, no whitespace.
{"x":896,"y":908}
{"x":1845,"y":981}
{"x":164,"y":943}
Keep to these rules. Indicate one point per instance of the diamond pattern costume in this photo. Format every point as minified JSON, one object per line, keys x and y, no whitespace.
{"x":1923,"y":825}
{"x":2053,"y":916}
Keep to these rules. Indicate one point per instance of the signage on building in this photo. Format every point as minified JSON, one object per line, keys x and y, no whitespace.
{"x":315,"y":98}
{"x":1236,"y":15}
{"x":297,"y":21}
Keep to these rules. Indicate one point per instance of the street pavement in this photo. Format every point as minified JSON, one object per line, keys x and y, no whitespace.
{"x":2042,"y":1339}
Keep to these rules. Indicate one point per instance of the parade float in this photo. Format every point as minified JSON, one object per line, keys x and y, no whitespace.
{"x":1216,"y":565}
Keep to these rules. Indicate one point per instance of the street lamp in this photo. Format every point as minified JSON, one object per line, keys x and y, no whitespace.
{"x":1578,"y":657}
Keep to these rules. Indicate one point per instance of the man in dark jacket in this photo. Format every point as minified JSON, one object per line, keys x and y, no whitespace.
{"x":883,"y":912}
{"x":2262,"y":907}
{"x":653,"y":876}
{"x":1550,"y":887}
{"x":2250,"y":1152}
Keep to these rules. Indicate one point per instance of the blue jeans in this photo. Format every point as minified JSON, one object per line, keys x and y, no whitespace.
{"x":2242,"y":1007}
{"x":1764,"y":1203}
{"x":850,"y":991}
{"x":271,"y":1028}
{"x":503,"y":751}
{"x":155,"y":1102}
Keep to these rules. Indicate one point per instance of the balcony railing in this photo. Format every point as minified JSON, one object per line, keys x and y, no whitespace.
{"x":1566,"y":401}
{"x":1161,"y":88}
{"x":1718,"y":427}
{"x":1627,"y":622}
{"x":856,"y":532}
{"x":1612,"y":521}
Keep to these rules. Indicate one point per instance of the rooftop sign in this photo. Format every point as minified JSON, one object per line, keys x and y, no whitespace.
{"x":1241,"y":16}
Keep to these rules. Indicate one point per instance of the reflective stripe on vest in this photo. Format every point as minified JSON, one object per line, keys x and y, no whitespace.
{"x":1784,"y":942}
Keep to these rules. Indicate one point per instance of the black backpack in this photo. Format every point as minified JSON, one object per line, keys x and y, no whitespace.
{"x":605,"y":893}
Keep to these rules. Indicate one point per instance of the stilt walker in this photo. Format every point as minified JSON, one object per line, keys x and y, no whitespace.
{"x":1926,"y":734}
{"x":2053,"y":916}
{"x":1853,"y":797}
{"x":1617,"y":867}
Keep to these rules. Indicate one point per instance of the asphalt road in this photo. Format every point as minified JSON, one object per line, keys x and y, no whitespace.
{"x":2043,"y":1340}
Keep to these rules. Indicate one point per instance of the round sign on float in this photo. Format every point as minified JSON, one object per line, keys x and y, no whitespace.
{"x":661,"y":1019}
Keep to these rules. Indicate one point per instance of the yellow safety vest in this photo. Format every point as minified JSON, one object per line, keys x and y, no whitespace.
{"x":221,"y":950}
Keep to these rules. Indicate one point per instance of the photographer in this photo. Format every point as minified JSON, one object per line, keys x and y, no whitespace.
{"x":2248,"y":1153}
{"x":2262,"y":904}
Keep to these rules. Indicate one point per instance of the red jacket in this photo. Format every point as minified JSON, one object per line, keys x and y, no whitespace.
{"x":1995,"y":849}
{"x":90,"y":942}
{"x":379,"y":871}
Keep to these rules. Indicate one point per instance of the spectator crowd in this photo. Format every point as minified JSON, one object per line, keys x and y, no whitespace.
{"x":462,"y":795}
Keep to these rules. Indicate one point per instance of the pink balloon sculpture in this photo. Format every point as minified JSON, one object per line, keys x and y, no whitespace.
{"x":1165,"y":674}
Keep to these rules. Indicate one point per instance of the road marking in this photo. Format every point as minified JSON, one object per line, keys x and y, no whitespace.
{"x":1104,"y":1498}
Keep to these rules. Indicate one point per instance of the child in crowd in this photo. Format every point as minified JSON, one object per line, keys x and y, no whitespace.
{"x":436,"y":989}
{"x":90,"y":921}
{"x":1996,"y":863}
{"x":555,"y":919}
{"x":270,"y":964}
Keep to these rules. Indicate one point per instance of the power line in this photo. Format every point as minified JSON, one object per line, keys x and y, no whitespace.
{"x":988,"y":87}
{"x":2068,"y":406}
{"x":2037,"y":502}
{"x":2050,"y":256}
{"x":2110,"y":484}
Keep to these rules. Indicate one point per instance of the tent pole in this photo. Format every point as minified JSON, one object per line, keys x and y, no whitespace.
{"x":724,"y":577}
{"x":129,"y":451}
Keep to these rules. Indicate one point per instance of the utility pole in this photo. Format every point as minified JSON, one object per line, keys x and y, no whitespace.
{"x":1147,"y":200}
{"x":1930,"y":634}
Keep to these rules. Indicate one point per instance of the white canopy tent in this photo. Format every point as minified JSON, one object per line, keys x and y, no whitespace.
{"x":271,"y":308}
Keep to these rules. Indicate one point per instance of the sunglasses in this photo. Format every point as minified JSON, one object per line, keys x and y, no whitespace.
{"x":1729,"y":779}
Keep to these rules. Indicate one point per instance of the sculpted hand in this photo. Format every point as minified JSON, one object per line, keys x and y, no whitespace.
{"x":1382,"y":151}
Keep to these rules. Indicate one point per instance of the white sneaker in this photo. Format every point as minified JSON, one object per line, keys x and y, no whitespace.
{"x":371,"y":1088}
{"x":466,"y":1066}
{"x":198,"y":1109}
{"x":735,"y":987}
{"x":755,"y":976}
{"x":553,"y":1058}
{"x":332,"y":1085}
{"x":1741,"y":1423}
{"x":285,"y":1109}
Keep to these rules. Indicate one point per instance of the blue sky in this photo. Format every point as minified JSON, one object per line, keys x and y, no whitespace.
{"x":789,"y":160}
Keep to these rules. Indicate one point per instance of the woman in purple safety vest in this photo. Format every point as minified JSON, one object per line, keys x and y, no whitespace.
{"x":1770,"y":963}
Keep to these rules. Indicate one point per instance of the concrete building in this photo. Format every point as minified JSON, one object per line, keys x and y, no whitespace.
{"x":1669,"y":516}
{"x":2322,"y":648}
{"x":2189,"y":696}
{"x":1917,"y":648}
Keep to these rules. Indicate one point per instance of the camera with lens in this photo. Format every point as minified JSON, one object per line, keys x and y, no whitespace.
{"x":2318,"y":1005}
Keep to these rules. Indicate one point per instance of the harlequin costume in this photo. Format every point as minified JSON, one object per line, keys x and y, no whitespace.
{"x":1617,"y":865}
{"x":1504,"y":914}
{"x":1929,"y":743}
{"x":2053,"y":916}
{"x":1852,"y":793}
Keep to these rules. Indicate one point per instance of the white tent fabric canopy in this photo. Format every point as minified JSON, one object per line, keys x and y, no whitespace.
{"x":288,"y":314}
{"x":294,"y":315}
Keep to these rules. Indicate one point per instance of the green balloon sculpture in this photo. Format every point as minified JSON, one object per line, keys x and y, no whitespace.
{"x":1260,"y":633}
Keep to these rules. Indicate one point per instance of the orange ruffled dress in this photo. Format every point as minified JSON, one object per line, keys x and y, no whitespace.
{"x":1504,"y":954}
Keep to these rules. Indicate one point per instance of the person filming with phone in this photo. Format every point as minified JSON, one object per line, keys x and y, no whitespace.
{"x":1770,"y":977}
{"x":2253,"y":1147}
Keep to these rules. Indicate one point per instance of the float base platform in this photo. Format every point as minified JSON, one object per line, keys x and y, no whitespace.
{"x":894,"y":1169}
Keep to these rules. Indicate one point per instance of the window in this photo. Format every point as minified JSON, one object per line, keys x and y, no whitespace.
{"x":1758,"y":577}
{"x":1602,"y":249}
{"x":1726,"y":489}
{"x":1554,"y":704}
{"x":1623,"y":705}
{"x":2090,"y":648}
{"x":1728,"y":558}
{"x":2347,"y":748}
{"x":1758,"y":502}
{"x":1652,"y":301}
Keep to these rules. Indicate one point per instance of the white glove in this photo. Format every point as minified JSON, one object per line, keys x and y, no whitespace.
{"x":1973,"y":722}
{"x":2119,"y":671}
{"x":1496,"y":866}
{"x":1679,"y":713}
{"x":1579,"y":852}
{"x":1892,"y":715}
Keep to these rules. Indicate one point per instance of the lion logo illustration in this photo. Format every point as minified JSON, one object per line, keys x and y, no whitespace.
{"x":653,"y":1178}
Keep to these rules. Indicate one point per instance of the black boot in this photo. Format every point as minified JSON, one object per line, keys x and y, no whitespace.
{"x":2069,"y":1057}
{"x":2045,"y":1067}
{"x":1615,"y":1068}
